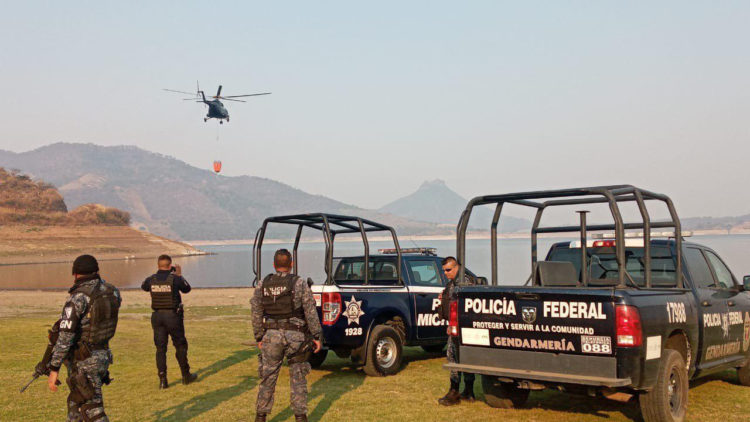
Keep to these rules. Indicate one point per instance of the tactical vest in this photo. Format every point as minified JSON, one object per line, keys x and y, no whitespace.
{"x":278,"y":297}
{"x":162,"y":293}
{"x":102,"y":313}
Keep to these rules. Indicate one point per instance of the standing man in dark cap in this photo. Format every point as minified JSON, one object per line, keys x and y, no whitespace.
{"x":88,"y":322}
{"x":285,"y":323}
{"x":449,"y":294}
{"x":167,"y":319}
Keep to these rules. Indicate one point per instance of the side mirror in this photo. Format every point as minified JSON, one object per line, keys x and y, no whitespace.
{"x":482,"y":281}
{"x":746,"y":283}
{"x":310,"y":282}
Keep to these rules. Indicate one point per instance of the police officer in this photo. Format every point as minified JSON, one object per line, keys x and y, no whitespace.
{"x":167,"y":319}
{"x":285,"y":322}
{"x":450,"y":267}
{"x":88,"y":322}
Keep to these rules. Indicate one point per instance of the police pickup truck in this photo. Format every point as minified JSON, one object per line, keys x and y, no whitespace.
{"x":621,"y":315}
{"x":370,"y":315}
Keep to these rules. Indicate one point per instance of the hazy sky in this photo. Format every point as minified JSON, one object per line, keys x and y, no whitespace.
{"x":371,"y":98}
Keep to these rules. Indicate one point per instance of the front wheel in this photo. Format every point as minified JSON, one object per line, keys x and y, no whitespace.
{"x":317,"y":359}
{"x":668,"y":401}
{"x":503,"y":395}
{"x":384,"y":352}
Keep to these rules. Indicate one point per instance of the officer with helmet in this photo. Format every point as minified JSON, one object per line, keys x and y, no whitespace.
{"x":167,"y":319}
{"x":88,"y":322}
{"x":285,"y":324}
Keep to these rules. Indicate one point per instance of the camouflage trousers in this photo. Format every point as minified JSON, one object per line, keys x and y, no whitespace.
{"x":452,"y":355}
{"x":278,"y":344}
{"x":89,"y":406}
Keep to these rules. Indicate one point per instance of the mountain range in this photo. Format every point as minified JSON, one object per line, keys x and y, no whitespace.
{"x":173,"y":199}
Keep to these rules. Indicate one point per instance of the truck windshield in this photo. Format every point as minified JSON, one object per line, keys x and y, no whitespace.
{"x":603,"y":264}
{"x":382,"y":271}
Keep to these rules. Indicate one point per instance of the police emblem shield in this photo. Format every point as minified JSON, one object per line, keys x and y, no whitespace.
{"x":528,"y":313}
{"x":353,"y":310}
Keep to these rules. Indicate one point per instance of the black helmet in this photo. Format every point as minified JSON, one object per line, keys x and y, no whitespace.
{"x":85,"y":264}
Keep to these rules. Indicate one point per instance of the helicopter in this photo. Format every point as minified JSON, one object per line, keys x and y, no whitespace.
{"x":216,"y":109}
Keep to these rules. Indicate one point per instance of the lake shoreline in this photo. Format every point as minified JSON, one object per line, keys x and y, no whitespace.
{"x":469,"y":236}
{"x":26,"y":244}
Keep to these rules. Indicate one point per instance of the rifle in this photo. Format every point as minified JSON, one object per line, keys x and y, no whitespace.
{"x":42,"y":367}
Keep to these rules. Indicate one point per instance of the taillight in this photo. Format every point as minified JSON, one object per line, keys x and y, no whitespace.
{"x":331,"y":307}
{"x":604,"y":244}
{"x":628,"y":326}
{"x":453,"y":322}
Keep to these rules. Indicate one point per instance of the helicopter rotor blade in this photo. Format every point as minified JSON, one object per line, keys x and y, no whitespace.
{"x":218,"y":92}
{"x":246,"y":95}
{"x":230,"y":99}
{"x":180,"y":92}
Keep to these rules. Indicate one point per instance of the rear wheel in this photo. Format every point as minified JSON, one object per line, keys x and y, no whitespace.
{"x":317,"y":359}
{"x":743,"y":373}
{"x":668,"y":400}
{"x":502,"y":394}
{"x":384,"y":352}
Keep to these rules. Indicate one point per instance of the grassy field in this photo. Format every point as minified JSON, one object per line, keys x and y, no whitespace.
{"x":218,"y":330}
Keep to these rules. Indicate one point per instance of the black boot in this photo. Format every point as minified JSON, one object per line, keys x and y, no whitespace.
{"x":450,"y":399}
{"x":260,"y":417}
{"x":163,"y":383}
{"x":468,"y":393}
{"x":300,"y":418}
{"x":187,"y":378}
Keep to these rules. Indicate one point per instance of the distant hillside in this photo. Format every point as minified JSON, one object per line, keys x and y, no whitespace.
{"x":741,"y":222}
{"x":173,"y":199}
{"x":435,"y":202}
{"x":30,"y":202}
{"x":18,"y":191}
{"x":35,"y":227}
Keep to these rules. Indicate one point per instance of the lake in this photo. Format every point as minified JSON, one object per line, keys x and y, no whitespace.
{"x":230,"y":266}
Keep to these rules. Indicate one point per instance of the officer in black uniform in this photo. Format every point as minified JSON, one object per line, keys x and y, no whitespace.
{"x":167,"y":319}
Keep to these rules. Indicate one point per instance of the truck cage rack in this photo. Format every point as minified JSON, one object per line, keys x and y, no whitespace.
{"x":329,"y":225}
{"x":612,"y":195}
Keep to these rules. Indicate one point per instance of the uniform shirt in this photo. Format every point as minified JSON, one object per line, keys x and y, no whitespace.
{"x":450,"y":294}
{"x":452,"y":285}
{"x":180,"y":284}
{"x":74,"y":318}
{"x":302,"y":298}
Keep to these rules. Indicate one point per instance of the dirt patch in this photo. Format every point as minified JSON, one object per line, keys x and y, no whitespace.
{"x":25,"y":244}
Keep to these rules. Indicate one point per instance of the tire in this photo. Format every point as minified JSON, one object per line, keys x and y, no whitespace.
{"x":317,"y":359}
{"x":385,"y":352}
{"x":743,"y":373}
{"x":434,"y":348}
{"x":503,"y":395}
{"x":668,"y":401}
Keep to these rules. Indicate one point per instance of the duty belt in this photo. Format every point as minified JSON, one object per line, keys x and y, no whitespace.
{"x":83,"y":350}
{"x":282,"y":324}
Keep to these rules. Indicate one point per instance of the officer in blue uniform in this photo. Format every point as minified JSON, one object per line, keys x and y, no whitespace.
{"x":449,"y":294}
{"x":167,"y":319}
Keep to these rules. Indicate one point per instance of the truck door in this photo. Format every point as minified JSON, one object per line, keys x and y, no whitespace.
{"x":426,"y":285}
{"x":712,"y":306}
{"x":738,"y":309}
